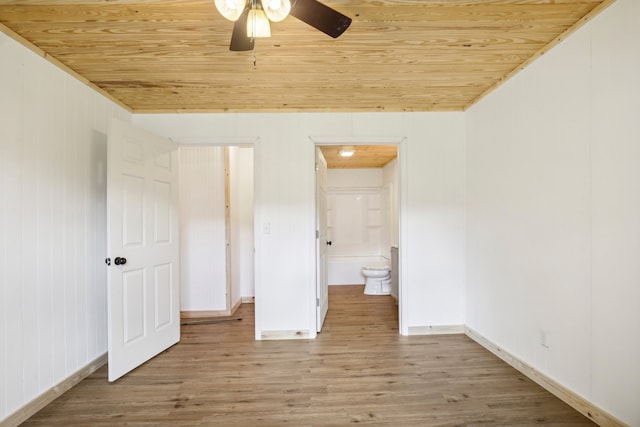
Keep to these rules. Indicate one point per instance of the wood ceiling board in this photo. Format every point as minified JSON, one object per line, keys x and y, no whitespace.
{"x":398,"y":55}
{"x":365,"y":156}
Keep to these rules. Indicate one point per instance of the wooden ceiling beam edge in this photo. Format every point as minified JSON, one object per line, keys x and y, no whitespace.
{"x":53,"y":60}
{"x":437,"y":109}
{"x":582,"y":21}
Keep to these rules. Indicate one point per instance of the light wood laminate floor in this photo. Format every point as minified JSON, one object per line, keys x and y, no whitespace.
{"x":358,"y":370}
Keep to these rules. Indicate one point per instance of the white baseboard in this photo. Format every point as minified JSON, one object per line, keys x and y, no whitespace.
{"x":31,"y":408}
{"x":248,"y":300}
{"x":577,"y":402}
{"x":197,"y":314}
{"x":235,"y":306}
{"x":285,"y":335}
{"x":436,"y":330}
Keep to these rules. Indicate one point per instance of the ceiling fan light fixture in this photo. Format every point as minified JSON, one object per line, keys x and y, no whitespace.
{"x":231,"y":9}
{"x":258,"y":24}
{"x":276,"y":10}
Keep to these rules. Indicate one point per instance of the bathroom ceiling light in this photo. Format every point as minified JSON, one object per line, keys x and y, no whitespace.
{"x":347,"y":152}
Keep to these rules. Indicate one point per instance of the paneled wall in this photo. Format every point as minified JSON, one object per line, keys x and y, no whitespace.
{"x":553,"y":213}
{"x":241,"y":186}
{"x":432,"y":220}
{"x":52,"y":225}
{"x":203,"y":276}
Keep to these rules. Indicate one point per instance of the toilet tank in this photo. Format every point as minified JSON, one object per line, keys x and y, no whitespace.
{"x":394,"y":272}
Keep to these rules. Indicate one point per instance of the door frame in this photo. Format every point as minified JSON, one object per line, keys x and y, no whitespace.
{"x":233,"y":141}
{"x":401,"y":143}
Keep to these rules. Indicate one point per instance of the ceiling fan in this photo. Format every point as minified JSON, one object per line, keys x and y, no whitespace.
{"x":252,"y":18}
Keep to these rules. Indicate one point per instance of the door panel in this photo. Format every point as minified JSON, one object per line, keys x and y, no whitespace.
{"x":322,"y":288}
{"x":142,"y":223}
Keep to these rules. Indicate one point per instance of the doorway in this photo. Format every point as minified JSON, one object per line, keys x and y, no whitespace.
{"x":362,"y":211}
{"x":216,"y":229}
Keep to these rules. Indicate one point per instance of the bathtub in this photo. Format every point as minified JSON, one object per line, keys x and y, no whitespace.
{"x":347,"y":270}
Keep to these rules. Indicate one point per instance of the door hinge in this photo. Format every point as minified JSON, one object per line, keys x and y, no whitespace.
{"x":317,"y":234}
{"x":317,"y":302}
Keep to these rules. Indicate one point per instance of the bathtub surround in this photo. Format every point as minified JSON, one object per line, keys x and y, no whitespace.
{"x":361,"y":218}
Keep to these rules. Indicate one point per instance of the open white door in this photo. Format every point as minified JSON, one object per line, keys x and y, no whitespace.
{"x":322,"y":287}
{"x":142,"y":232}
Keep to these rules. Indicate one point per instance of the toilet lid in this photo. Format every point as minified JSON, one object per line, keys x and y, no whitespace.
{"x":377,"y":267}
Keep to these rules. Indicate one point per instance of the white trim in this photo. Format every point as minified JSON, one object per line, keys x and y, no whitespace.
{"x":241,"y":141}
{"x":436,"y":330}
{"x":403,"y":237}
{"x":48,"y":396}
{"x":257,"y":240}
{"x":223,"y":141}
{"x":199,"y":314}
{"x":354,"y":190}
{"x":286,"y":335}
{"x":577,"y":402}
{"x":357,"y":140}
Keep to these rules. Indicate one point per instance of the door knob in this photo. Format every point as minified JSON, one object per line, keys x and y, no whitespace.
{"x":120,"y":261}
{"x":328,"y":242}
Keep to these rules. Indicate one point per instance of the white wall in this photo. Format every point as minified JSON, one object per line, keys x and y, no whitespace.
{"x":552,"y":209}
{"x":432,"y":243}
{"x":52,"y":225}
{"x":203,"y":268}
{"x":553,"y":202}
{"x":354,"y":213}
{"x":432,"y":194}
{"x":338,"y":179}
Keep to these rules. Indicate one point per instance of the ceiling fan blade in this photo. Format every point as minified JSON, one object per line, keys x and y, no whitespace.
{"x":239,"y":39}
{"x":321,"y":17}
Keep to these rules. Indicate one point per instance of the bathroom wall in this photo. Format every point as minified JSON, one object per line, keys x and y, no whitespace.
{"x":355,"y":212}
{"x":362,"y":218}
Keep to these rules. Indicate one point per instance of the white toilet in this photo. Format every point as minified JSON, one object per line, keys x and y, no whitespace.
{"x":378,"y":279}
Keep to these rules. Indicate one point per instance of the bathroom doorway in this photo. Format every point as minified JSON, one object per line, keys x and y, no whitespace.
{"x":362,"y":211}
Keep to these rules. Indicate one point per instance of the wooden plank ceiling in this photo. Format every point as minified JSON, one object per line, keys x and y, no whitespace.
{"x":364,"y":156}
{"x":398,"y":55}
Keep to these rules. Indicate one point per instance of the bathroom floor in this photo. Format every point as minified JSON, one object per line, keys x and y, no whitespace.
{"x":358,"y":370}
